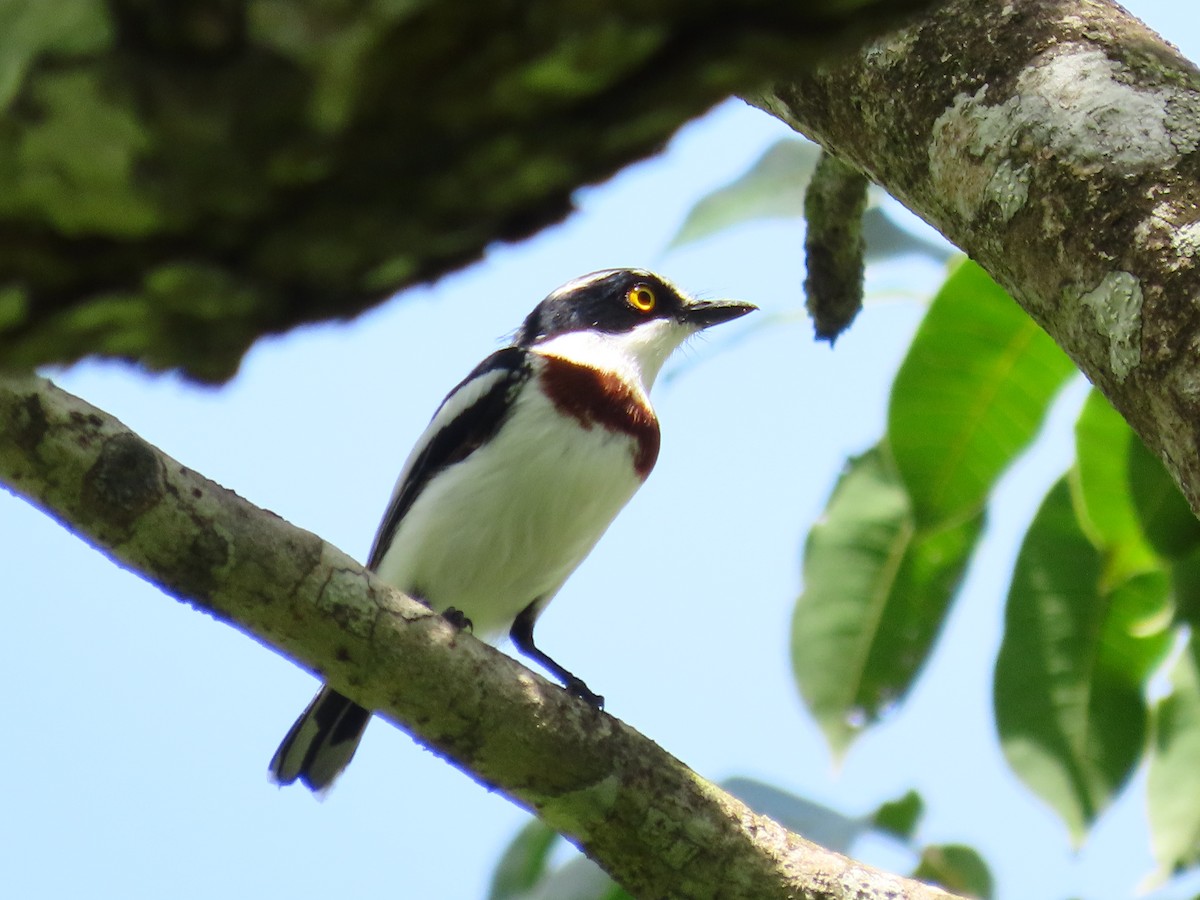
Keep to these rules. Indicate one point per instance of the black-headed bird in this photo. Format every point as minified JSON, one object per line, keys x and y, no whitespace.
{"x":521,"y":470}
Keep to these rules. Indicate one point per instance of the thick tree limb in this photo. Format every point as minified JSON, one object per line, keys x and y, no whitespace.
{"x":1056,"y":142}
{"x":652,"y":823}
{"x":179,"y":179}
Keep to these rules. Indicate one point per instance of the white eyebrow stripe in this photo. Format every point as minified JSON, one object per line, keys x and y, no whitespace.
{"x":583,"y":281}
{"x":576,"y":284}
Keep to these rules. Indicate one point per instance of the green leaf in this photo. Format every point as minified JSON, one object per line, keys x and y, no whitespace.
{"x":578,"y":879}
{"x":772,"y":188}
{"x":958,"y":869}
{"x":820,"y":824}
{"x":825,"y":826}
{"x":884,"y":239}
{"x":1185,"y":582}
{"x":1100,"y":487}
{"x":876,"y":591}
{"x":1170,"y":526}
{"x":524,"y":863}
{"x":524,"y":872}
{"x":1173,"y":786}
{"x":970,"y":395}
{"x":1069,"y":684}
{"x":29,"y":30}
{"x":900,"y":817}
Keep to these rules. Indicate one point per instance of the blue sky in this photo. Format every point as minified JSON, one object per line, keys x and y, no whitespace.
{"x":139,"y":731}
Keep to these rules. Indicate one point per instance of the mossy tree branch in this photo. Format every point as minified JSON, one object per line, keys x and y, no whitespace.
{"x":653,"y":824}
{"x":177,"y":180}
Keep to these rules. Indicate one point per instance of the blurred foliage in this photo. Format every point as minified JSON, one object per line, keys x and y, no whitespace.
{"x":525,"y":871}
{"x":884,"y":563}
{"x":875,"y":590}
{"x":1104,"y":587}
{"x":847,"y":224}
{"x":774,"y":187}
{"x":956,"y":868}
{"x":1071,"y":676}
{"x":900,"y":817}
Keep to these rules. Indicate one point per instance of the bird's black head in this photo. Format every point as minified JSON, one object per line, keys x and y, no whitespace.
{"x":616,"y":301}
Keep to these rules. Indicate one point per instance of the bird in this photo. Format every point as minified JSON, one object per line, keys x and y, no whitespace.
{"x":520,"y":471}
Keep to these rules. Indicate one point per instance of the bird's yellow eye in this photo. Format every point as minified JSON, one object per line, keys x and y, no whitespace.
{"x":641,"y":297}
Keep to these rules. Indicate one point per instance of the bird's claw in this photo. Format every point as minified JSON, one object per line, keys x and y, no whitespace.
{"x":576,"y":688}
{"x":458,"y":619}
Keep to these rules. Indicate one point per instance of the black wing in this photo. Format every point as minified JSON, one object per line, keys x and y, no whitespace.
{"x":467,"y":418}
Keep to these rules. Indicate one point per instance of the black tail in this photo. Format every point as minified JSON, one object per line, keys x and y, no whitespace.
{"x":322,"y":742}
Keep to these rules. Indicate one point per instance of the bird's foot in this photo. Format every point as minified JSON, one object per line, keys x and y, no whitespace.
{"x":458,"y":619}
{"x":576,"y":688}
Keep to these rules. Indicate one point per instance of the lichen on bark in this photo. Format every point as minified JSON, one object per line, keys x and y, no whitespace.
{"x":1055,"y":143}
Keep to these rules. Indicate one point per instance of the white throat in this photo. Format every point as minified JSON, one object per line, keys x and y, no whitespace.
{"x":636,"y":355}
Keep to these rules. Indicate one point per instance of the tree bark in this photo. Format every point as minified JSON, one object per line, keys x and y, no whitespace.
{"x":1055,"y":142}
{"x":654,"y":825}
{"x":177,"y":180}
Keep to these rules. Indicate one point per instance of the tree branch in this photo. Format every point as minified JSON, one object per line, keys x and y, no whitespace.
{"x":1056,"y":143}
{"x":178,"y":180}
{"x":653,"y":824}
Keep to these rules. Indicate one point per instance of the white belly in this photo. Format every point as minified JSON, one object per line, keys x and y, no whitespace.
{"x":507,"y":525}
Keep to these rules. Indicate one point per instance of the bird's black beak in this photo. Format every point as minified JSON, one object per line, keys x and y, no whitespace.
{"x":705,"y":313}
